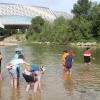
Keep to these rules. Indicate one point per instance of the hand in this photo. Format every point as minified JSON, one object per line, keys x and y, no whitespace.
{"x":9,"y":66}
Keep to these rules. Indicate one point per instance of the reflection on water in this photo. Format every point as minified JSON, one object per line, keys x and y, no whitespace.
{"x":37,"y":96}
{"x":15,"y":94}
{"x":83,"y":84}
{"x":33,"y":96}
{"x":68,"y":83}
{"x":0,"y":90}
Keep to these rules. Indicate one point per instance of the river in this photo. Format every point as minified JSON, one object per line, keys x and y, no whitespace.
{"x":83,"y":84}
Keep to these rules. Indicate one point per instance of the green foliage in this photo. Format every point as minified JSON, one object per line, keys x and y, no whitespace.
{"x":95,"y":18}
{"x":7,"y":32}
{"x":84,"y":27}
{"x":82,"y":8}
{"x":81,"y":29}
{"x":37,"y":24}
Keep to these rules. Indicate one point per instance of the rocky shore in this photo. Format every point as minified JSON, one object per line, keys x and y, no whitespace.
{"x":16,"y":39}
{"x":81,"y":44}
{"x":12,"y":40}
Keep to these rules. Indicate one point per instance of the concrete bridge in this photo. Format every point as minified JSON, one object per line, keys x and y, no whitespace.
{"x":19,"y":16}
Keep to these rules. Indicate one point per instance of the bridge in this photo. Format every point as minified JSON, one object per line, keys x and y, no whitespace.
{"x":20,"y":16}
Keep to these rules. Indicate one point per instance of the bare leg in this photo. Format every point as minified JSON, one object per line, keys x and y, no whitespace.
{"x":12,"y":82}
{"x":39,"y":87}
{"x":28,"y":87}
{"x":15,"y":83}
{"x":1,"y":77}
{"x":36,"y":86}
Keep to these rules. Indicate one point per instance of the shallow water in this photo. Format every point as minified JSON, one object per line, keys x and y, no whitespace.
{"x":83,"y":84}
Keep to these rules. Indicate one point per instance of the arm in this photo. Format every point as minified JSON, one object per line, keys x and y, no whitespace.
{"x":9,"y":66}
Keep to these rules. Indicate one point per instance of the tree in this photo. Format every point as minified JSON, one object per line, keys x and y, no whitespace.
{"x":82,"y":8}
{"x":81,"y":29}
{"x":37,"y":24}
{"x":95,"y":18}
{"x":35,"y":28}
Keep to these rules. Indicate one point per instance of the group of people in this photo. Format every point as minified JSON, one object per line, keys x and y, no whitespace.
{"x":68,"y":59}
{"x":32,"y":72}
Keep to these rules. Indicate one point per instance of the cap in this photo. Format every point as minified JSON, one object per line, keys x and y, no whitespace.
{"x":71,"y":51}
{"x":18,"y":49}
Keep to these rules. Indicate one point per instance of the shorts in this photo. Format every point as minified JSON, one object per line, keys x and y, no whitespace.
{"x":38,"y":77}
{"x":13,"y":73}
{"x":68,"y":67}
{"x":28,"y":78}
{"x":18,"y":71}
{"x":87,"y":59}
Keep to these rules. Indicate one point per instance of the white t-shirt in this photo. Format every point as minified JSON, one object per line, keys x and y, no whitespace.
{"x":16,"y":62}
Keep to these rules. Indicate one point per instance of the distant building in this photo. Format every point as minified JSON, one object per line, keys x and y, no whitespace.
{"x":62,"y":13}
{"x":20,"y":16}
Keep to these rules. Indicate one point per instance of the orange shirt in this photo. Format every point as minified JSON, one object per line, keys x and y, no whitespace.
{"x":63,"y":57}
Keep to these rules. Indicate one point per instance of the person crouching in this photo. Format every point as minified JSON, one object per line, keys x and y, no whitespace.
{"x":32,"y":74}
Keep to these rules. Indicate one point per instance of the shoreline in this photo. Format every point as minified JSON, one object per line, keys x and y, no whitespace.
{"x":16,"y":40}
{"x":87,"y":44}
{"x":7,"y":43}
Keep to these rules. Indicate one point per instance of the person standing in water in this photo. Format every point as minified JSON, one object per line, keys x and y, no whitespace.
{"x":69,"y":61}
{"x":87,"y":56}
{"x":18,"y":52}
{"x":65,"y":54}
{"x":12,"y":66}
{"x":0,"y":65}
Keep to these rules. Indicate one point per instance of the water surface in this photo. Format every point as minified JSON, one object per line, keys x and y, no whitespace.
{"x":83,"y":84}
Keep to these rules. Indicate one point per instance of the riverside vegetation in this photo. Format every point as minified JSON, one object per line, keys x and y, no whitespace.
{"x":83,"y":27}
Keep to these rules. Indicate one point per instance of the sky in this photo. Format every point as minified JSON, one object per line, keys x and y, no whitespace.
{"x":56,"y":5}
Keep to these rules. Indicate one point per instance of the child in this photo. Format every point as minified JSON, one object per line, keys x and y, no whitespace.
{"x":87,"y":56}
{"x":12,"y":66}
{"x":65,"y":54}
{"x":32,"y":74}
{"x":68,"y":61}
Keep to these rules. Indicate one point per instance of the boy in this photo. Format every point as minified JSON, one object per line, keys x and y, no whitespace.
{"x":65,"y":54}
{"x":69,"y":61}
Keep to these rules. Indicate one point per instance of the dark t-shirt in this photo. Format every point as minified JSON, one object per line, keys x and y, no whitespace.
{"x":68,"y":60}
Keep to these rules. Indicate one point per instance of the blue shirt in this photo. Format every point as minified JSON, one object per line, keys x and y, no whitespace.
{"x":68,"y":60}
{"x":34,"y":67}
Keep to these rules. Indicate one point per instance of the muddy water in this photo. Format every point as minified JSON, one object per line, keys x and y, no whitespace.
{"x":83,"y":84}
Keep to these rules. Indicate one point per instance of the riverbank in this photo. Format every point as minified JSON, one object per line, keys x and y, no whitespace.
{"x":12,"y":40}
{"x":81,"y":44}
{"x":17,"y":39}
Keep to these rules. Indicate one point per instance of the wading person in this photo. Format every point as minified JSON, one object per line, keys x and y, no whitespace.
{"x":32,"y":74}
{"x":65,"y":54}
{"x":18,"y":52}
{"x":69,"y":61}
{"x":12,"y":66}
{"x":87,"y":56}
